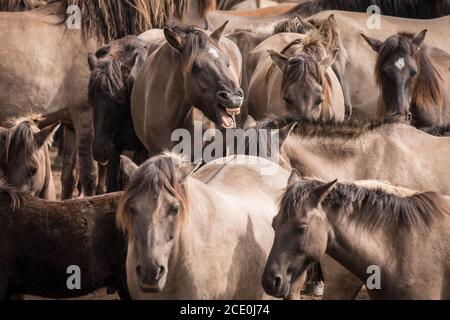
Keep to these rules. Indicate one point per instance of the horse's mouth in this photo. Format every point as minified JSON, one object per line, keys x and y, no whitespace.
{"x":228,"y":117}
{"x":146,"y":288}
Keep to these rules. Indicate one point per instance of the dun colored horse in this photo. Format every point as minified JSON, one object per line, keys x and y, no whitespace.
{"x":379,"y":150}
{"x":211,"y":220}
{"x":24,"y":157}
{"x":361,"y":225}
{"x":298,"y":81}
{"x":192,"y":69}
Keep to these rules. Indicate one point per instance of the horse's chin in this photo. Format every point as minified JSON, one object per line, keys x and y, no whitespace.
{"x":152,"y":289}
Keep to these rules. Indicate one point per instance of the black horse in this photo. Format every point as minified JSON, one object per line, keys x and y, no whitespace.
{"x":110,"y":86}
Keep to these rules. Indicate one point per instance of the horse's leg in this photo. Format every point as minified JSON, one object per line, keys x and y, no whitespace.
{"x":113,"y":170}
{"x":102,"y":179}
{"x":69,"y":170}
{"x":85,"y":138}
{"x":347,"y":100}
{"x":296,"y":288}
{"x":3,"y":287}
{"x":340,"y":284}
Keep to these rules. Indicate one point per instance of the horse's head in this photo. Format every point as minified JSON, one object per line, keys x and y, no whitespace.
{"x":397,"y":69}
{"x":24,"y":155}
{"x":151,"y":213}
{"x":301,"y":235}
{"x":305,"y":87}
{"x":113,"y":69}
{"x":210,"y":84}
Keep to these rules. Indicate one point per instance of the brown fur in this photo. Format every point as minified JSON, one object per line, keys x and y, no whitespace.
{"x":348,"y":130}
{"x":20,"y":136}
{"x":156,"y":174}
{"x":111,"y":20}
{"x":306,"y":64}
{"x":55,"y":235}
{"x":380,"y":208}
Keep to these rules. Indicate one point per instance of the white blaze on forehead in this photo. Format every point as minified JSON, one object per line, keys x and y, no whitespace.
{"x":213,"y":52}
{"x":400,"y":63}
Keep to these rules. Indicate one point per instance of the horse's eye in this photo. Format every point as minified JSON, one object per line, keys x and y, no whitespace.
{"x":288,"y":100}
{"x":413,"y":72}
{"x":228,"y":64}
{"x":319,"y":101}
{"x":195,"y":67}
{"x":174,"y":209}
{"x":302,"y":230}
{"x":32,"y":171}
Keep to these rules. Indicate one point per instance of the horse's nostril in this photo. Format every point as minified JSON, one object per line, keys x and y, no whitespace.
{"x":223,"y":95}
{"x":139,"y":272}
{"x":277,"y":283}
{"x":161,"y":271}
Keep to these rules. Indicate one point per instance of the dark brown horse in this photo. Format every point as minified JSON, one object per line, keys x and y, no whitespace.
{"x":40,"y":240}
{"x":413,"y":78}
{"x":110,"y":87}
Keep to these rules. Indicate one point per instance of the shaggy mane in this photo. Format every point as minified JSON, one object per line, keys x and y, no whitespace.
{"x":349,"y":129}
{"x":378,"y":208}
{"x":157,"y":174}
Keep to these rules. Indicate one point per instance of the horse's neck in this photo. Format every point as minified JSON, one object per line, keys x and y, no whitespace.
{"x":323,"y":158}
{"x":194,"y":241}
{"x":355,"y":247}
{"x":169,"y":101}
{"x":198,"y":216}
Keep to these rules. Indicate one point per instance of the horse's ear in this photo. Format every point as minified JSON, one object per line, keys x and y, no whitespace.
{"x":374,"y":43}
{"x":92,"y":61}
{"x":128,"y":166}
{"x":331,"y":19}
{"x":320,"y":193}
{"x":329,"y":60}
{"x":174,"y":39}
{"x":187,"y":171}
{"x":305,"y":24}
{"x":250,"y":123}
{"x":279,"y":59}
{"x":294,"y":177}
{"x":216,"y":35}
{"x":46,"y":135}
{"x":419,"y":38}
{"x":285,"y":132}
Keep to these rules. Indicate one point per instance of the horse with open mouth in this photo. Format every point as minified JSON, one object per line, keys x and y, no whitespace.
{"x":192,"y":69}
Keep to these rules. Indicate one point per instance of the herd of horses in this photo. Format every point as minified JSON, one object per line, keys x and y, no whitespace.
{"x":369,"y":107}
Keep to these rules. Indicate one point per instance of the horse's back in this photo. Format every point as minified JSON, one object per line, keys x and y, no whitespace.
{"x":231,"y":177}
